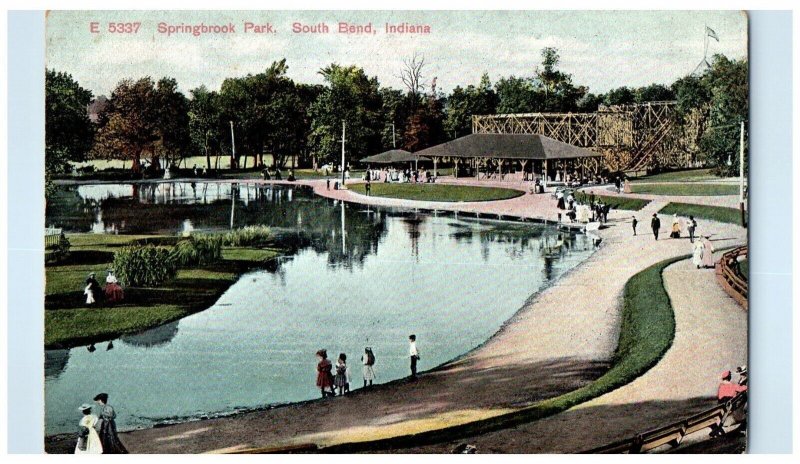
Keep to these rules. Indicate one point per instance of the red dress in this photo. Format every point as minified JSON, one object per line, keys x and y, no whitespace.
{"x":324,"y":376}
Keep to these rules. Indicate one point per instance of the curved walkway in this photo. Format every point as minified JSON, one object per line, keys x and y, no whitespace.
{"x":710,"y":336}
{"x":560,"y":341}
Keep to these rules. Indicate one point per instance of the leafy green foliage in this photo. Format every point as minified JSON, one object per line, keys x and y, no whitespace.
{"x":69,"y":132}
{"x":198,"y":250}
{"x":438,"y":192}
{"x":631,"y":204}
{"x":712,"y":213}
{"x":145,"y":266}
{"x":248,"y":236}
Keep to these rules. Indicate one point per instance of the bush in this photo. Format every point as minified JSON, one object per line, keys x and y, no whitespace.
{"x":248,"y":236}
{"x":198,"y":250}
{"x":145,"y":266}
{"x":59,"y":251}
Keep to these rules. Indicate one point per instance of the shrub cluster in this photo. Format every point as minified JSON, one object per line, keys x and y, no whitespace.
{"x":145,"y":266}
{"x":198,"y":250}
{"x":248,"y":236}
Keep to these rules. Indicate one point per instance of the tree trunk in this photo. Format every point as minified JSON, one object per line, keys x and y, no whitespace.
{"x":136,"y":166}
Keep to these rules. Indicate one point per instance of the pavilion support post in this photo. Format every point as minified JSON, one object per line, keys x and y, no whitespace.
{"x":524,"y":163}
{"x":477,"y":168}
{"x":435,"y":161}
{"x":544,"y":176}
{"x":455,"y":167}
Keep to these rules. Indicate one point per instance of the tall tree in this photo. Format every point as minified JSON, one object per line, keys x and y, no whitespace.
{"x":69,"y":133}
{"x":560,"y":95}
{"x":204,"y":122}
{"x":462,"y":104}
{"x":424,"y":126}
{"x":353,"y":98}
{"x":128,"y":124}
{"x":172,"y":122}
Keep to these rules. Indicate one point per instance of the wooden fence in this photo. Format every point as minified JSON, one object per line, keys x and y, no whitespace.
{"x":729,"y":276}
{"x":673,"y":434}
{"x":51,"y":237}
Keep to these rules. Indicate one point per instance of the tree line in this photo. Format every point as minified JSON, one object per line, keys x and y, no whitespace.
{"x":273,"y":115}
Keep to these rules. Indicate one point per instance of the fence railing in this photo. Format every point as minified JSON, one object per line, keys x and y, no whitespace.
{"x":729,"y":276}
{"x":674,"y":433}
{"x":52,"y":236}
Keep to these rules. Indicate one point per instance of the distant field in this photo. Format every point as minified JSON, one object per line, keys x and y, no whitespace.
{"x":687,"y":175}
{"x":712,"y":213}
{"x":437,"y":192}
{"x":686,"y":189}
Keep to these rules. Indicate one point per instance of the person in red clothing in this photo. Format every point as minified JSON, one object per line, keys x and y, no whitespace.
{"x":726,"y":391}
{"x":324,"y":375}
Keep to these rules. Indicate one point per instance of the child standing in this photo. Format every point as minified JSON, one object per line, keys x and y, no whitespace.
{"x":341,"y":381}
{"x":368,"y":359}
{"x":324,"y":376}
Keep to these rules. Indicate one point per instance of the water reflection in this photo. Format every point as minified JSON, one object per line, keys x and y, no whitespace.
{"x":355,"y":275}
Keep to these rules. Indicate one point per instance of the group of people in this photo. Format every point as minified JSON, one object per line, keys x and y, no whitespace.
{"x":397,"y":175}
{"x":337,"y":377}
{"x":110,"y":295}
{"x":727,"y":391}
{"x":702,"y":248}
{"x":599,"y":210}
{"x":97,"y":433}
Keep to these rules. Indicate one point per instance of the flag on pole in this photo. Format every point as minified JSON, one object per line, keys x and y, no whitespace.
{"x":710,"y":32}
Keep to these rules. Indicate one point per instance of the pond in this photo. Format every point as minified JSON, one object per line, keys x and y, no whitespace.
{"x":359,"y":276}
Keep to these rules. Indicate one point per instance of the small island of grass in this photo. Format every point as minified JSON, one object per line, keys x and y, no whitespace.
{"x":437,"y":192}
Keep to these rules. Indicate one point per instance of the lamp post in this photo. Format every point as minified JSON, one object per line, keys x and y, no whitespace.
{"x":343,"y":165}
{"x":233,"y":148}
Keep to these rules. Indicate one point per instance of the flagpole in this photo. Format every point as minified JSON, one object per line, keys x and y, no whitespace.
{"x":705,"y":43}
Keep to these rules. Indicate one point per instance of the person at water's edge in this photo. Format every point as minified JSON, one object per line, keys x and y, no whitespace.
{"x":368,"y":187}
{"x":108,"y":427}
{"x":655,"y":224}
{"x":413,"y":354}
{"x":324,"y":375}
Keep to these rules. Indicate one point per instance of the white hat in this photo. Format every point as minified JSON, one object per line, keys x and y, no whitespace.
{"x":84,"y":407}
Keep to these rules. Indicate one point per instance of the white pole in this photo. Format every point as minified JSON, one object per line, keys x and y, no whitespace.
{"x":741,"y":172}
{"x":343,"y":133}
{"x":233,"y":147}
{"x":394,"y":144}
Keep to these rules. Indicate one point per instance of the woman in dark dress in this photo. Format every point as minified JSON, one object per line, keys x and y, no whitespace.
{"x":324,"y":375}
{"x":108,"y":428}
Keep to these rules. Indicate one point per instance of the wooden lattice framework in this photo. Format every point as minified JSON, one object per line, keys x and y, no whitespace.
{"x":635,"y":137}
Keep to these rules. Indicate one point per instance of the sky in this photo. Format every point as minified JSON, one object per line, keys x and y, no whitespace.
{"x":601,"y":49}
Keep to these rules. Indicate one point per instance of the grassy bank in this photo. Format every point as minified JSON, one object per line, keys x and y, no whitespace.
{"x":437,"y":192}
{"x":68,"y":322}
{"x":686,"y":175}
{"x":712,"y":213}
{"x":629,"y":204}
{"x":686,"y":189}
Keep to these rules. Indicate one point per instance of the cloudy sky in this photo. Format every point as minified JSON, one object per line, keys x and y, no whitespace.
{"x":600,"y":49}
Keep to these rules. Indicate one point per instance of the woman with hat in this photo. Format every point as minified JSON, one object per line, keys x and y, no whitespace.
{"x":92,"y":290}
{"x":108,"y":427}
{"x":113,"y":290}
{"x":324,"y":375}
{"x":88,"y":439}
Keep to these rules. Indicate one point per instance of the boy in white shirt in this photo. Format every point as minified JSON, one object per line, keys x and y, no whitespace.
{"x":413,"y":354}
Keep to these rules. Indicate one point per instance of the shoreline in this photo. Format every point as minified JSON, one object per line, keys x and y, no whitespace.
{"x":510,"y":344}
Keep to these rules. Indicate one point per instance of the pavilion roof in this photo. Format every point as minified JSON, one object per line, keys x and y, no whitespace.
{"x":508,"y":146}
{"x":394,"y":156}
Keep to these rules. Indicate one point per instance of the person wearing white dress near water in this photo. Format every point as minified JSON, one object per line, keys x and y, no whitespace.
{"x":368,"y":359}
{"x":88,"y":439}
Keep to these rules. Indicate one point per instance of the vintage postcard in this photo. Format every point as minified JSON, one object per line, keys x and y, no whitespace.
{"x":396,"y":231}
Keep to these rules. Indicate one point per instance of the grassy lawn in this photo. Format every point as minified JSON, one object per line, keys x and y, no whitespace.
{"x":712,"y":213}
{"x":630,"y":204}
{"x":686,"y":189}
{"x":437,"y":192}
{"x":687,"y":175}
{"x":68,"y":322}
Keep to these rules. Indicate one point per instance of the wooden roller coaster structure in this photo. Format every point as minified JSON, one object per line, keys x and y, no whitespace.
{"x":633,"y":138}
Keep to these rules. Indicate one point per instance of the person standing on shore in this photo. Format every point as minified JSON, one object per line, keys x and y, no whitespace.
{"x":708,"y":252}
{"x":368,"y":359}
{"x":108,"y":427}
{"x":368,"y":187}
{"x":88,"y":439}
{"x":342,"y":381}
{"x":413,"y":353}
{"x":634,"y":222}
{"x":324,"y":375}
{"x":655,"y":224}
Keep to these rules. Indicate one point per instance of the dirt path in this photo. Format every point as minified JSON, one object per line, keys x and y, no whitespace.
{"x":710,"y":336}
{"x":560,"y":341}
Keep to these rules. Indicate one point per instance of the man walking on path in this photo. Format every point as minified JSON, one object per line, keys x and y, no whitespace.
{"x":413,"y":354}
{"x":634,"y":222}
{"x":655,"y":224}
{"x":691,"y":228}
{"x":368,"y":187}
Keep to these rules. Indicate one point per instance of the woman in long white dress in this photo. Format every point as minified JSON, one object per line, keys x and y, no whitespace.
{"x":697,"y":253}
{"x":92,"y":444}
{"x":708,"y":252}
